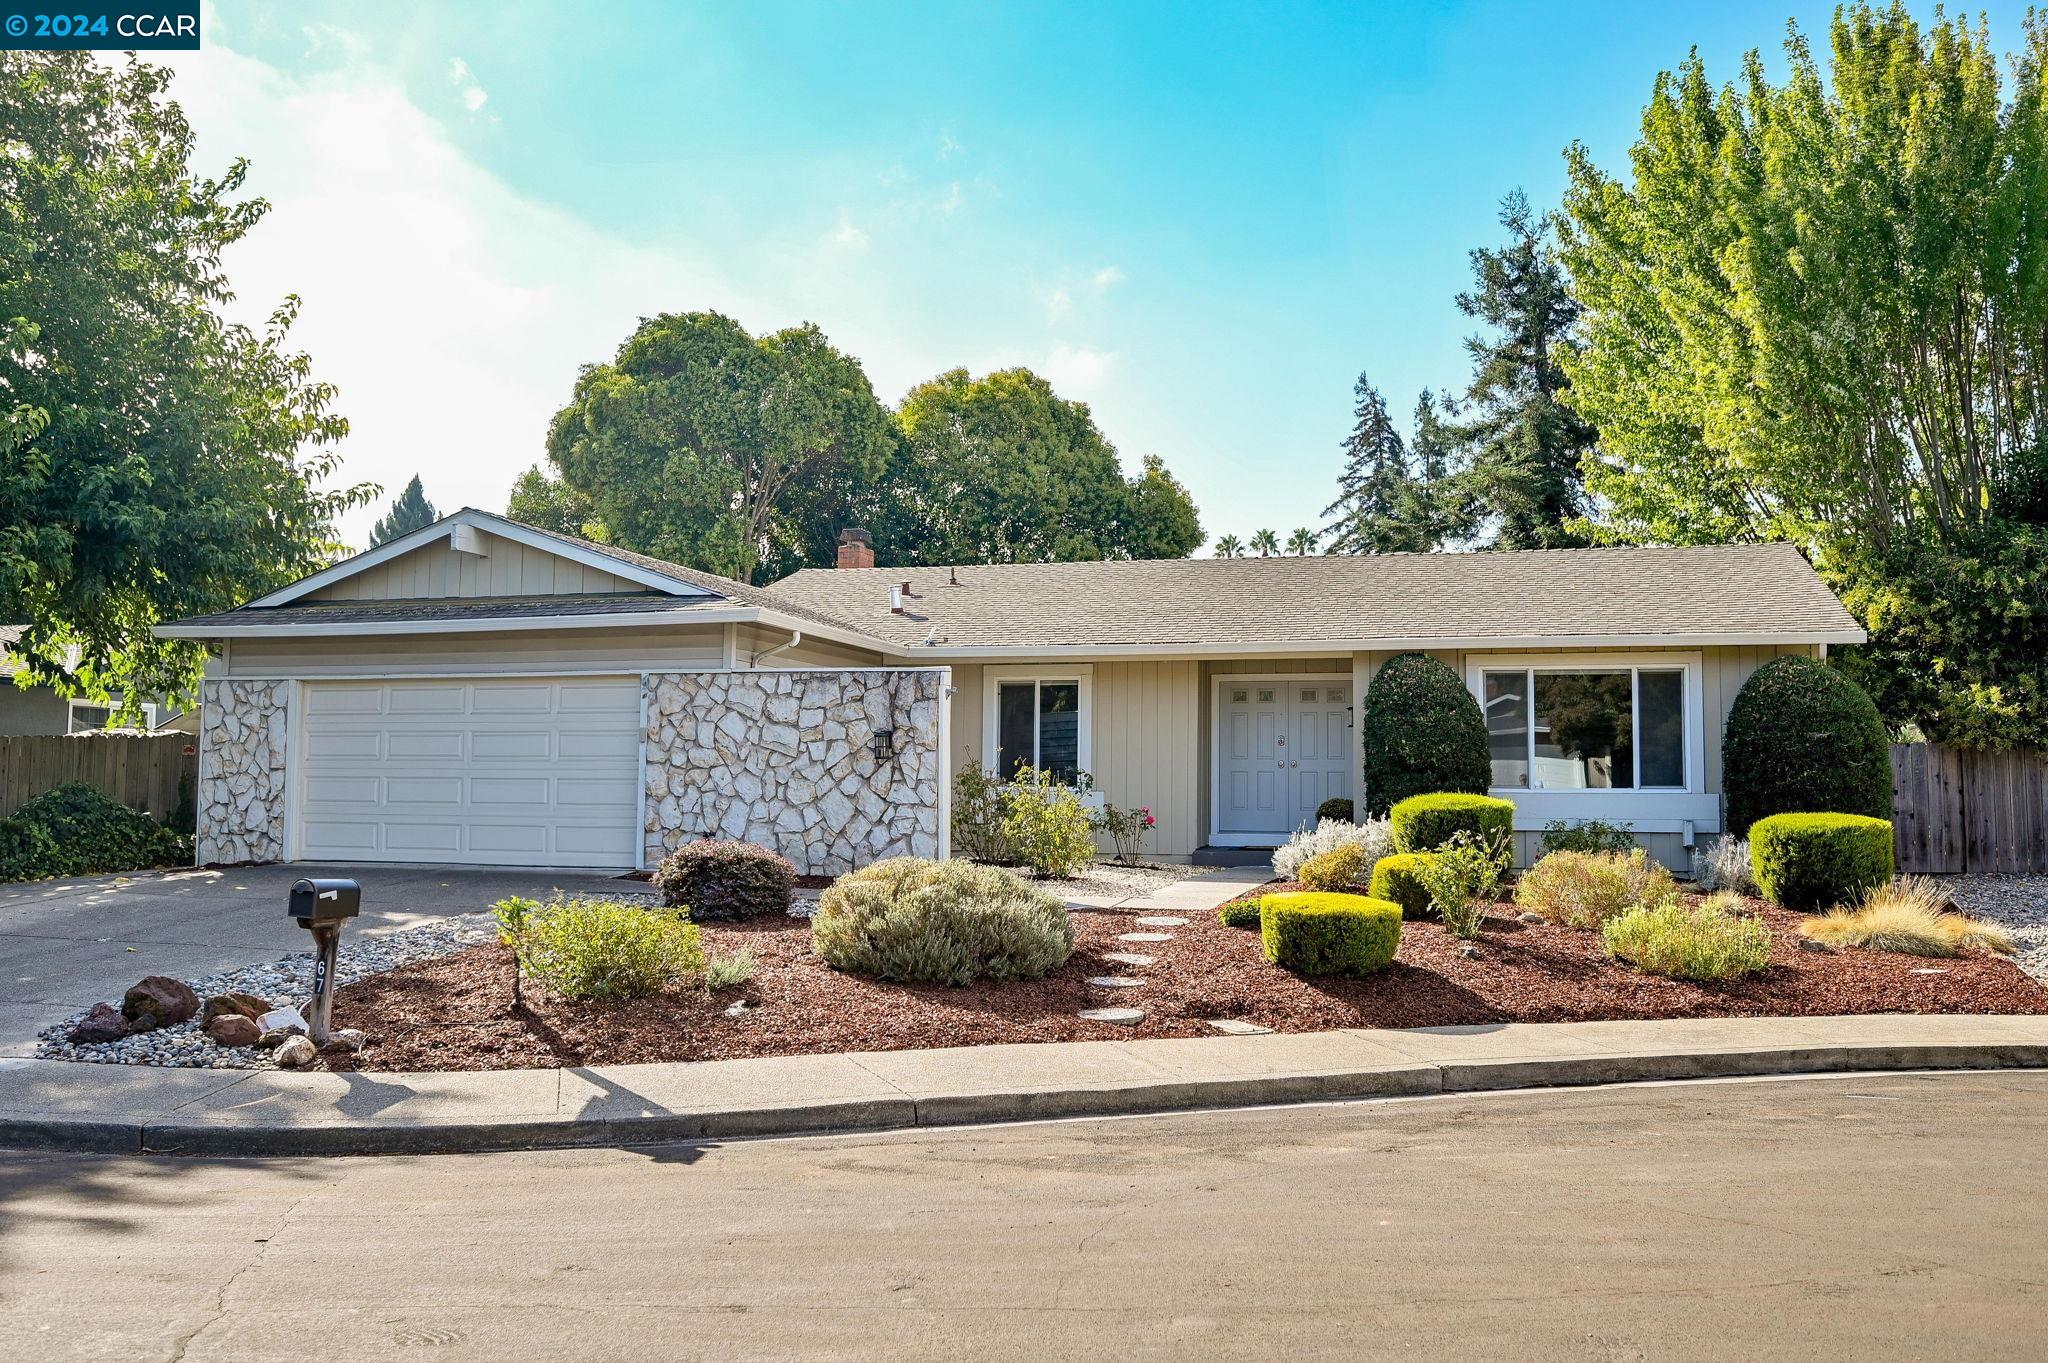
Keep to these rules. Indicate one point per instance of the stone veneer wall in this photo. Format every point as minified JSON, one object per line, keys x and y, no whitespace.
{"x":241,"y":770}
{"x":784,"y":759}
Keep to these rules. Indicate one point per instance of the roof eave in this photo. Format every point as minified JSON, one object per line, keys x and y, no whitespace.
{"x":1313,"y":647}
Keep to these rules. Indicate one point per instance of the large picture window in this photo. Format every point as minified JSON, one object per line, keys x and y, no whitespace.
{"x":1038,"y":723}
{"x":1607,"y":728}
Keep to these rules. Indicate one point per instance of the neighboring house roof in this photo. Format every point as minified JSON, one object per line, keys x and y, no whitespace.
{"x":1726,"y":594}
{"x":9,"y":636}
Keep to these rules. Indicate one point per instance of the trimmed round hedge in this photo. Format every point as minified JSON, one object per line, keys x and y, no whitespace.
{"x":1424,"y":823}
{"x":1394,"y":879}
{"x":1422,"y":732}
{"x":1814,"y":861}
{"x":723,"y":878}
{"x":1239,"y":913}
{"x":1803,"y":738}
{"x":1336,"y":807}
{"x":1329,"y":934}
{"x":940,"y":922}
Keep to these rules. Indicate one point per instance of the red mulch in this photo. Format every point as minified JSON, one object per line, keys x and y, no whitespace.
{"x":454,"y":1013}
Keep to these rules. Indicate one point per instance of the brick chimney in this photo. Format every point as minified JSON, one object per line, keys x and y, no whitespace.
{"x":856,"y":548}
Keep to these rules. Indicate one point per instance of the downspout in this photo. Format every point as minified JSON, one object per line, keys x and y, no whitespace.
{"x":796,"y":636}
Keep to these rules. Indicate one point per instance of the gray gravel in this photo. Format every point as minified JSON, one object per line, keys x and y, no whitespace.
{"x":2018,"y":902}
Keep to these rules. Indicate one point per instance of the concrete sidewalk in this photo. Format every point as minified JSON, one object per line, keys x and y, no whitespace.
{"x":48,"y":1104}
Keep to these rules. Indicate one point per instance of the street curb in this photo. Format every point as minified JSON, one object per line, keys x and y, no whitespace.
{"x":1420,"y":1079}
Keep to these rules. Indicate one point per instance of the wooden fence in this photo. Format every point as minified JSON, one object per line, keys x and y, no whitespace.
{"x":1959,"y":809}
{"x":144,"y":773}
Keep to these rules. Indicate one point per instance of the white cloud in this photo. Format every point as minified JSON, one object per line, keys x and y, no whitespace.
{"x":948,"y":148}
{"x":951,"y":202}
{"x":465,"y":83}
{"x":1059,"y":303}
{"x":1108,"y":277}
{"x":451,"y":311}
{"x":1076,"y":371}
{"x":846,"y":234}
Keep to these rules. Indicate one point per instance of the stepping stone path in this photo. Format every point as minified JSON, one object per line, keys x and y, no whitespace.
{"x":1128,"y":958}
{"x":1145,"y":937}
{"x":1129,"y":1017}
{"x":1162,"y":920}
{"x":1115,"y":982}
{"x":1233,"y":1027}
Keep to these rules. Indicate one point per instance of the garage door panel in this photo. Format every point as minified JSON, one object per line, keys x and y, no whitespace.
{"x":525,"y":772}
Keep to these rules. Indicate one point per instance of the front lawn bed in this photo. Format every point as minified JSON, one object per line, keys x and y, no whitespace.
{"x":454,"y":1012}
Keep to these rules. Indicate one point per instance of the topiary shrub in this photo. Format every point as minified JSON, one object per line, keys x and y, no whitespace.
{"x":1803,"y":738}
{"x":1585,"y":889}
{"x":1397,"y":878}
{"x":1329,"y":934}
{"x":1713,"y":941}
{"x":1336,"y":807}
{"x":1239,"y":913}
{"x":75,"y":830}
{"x":584,"y":948}
{"x":1422,"y":731}
{"x":940,"y":922}
{"x":1340,"y":868}
{"x":723,"y":878}
{"x":1812,"y":861}
{"x":1423,"y":823}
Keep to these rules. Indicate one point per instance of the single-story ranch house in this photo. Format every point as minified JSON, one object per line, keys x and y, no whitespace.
{"x":482,"y":691}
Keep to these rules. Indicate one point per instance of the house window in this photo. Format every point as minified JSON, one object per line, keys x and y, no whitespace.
{"x":1607,"y":728}
{"x":1038,"y":723}
{"x":89,"y":717}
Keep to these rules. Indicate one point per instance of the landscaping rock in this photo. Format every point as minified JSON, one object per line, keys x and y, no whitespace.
{"x":1162,"y":920}
{"x":1115,"y":982}
{"x":158,"y":1001}
{"x":1145,"y":937}
{"x":1234,"y":1027}
{"x":277,"y":1036}
{"x":1810,"y":944}
{"x":1467,"y":950}
{"x":1128,"y":958}
{"x":234,"y":1029}
{"x":232,"y":1005}
{"x":103,"y":1023}
{"x":344,"y":1041}
{"x":296,"y":1053}
{"x":1127,"y":1017}
{"x":1531,"y":918}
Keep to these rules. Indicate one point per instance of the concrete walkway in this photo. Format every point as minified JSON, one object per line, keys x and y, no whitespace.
{"x":60,"y":1105}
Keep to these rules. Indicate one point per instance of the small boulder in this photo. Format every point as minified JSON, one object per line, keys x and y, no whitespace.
{"x":232,"y":1005}
{"x":159,"y":997}
{"x":296,"y":1053}
{"x":233,"y":1029}
{"x":277,"y":1036}
{"x":104,"y":1023}
{"x":1809,"y":944}
{"x":344,"y":1041}
{"x":1468,"y":950}
{"x":1526,"y":917}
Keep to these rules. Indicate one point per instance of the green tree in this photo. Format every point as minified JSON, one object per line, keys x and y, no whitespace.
{"x":410,"y":511}
{"x":1001,"y":469}
{"x":1435,"y":505}
{"x":1523,"y":447}
{"x":1230,"y":546}
{"x":1818,"y":311}
{"x":717,"y":449}
{"x":158,"y":462}
{"x":1266,"y":543}
{"x":552,"y":504}
{"x":1302,"y":542}
{"x":1374,"y":492}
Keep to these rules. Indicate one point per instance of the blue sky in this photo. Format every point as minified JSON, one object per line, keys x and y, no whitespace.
{"x":1204,"y":221}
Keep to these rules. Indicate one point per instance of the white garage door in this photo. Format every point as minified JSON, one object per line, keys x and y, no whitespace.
{"x":507,"y":773}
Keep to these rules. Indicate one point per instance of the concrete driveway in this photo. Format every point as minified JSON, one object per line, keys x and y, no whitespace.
{"x":67,"y":944}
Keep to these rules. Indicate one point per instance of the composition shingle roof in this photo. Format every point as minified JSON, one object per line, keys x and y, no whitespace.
{"x":1709,"y":592}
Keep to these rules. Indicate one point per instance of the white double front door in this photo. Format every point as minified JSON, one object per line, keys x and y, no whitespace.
{"x":1283,"y":746}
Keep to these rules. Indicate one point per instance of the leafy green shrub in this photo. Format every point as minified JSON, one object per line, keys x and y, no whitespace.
{"x":1585,"y":889}
{"x":1340,"y":868}
{"x":722,"y":878}
{"x":1810,"y":861}
{"x":978,"y":807}
{"x":1336,"y":807}
{"x":1374,"y":837}
{"x":1046,"y":825}
{"x":1803,"y":738}
{"x":1461,"y":877}
{"x":585,"y":948}
{"x":1329,"y":934}
{"x":940,"y":922}
{"x":1422,"y":732}
{"x":1423,"y":823}
{"x":1127,"y":829}
{"x":1712,"y":941}
{"x":1587,"y":835}
{"x":75,"y":830}
{"x":1239,"y":913}
{"x":1394,"y":879}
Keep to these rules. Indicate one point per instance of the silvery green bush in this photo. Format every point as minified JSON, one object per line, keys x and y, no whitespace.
{"x":1374,"y":837}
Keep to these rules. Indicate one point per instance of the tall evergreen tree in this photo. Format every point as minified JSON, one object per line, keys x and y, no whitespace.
{"x":1373,"y":484}
{"x":1522,"y":449}
{"x":1434,"y":506}
{"x":410,"y":511}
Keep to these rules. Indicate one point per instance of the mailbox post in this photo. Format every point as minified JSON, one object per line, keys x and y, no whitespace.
{"x":321,"y":907}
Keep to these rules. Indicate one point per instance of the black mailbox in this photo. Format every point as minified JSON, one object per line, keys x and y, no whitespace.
{"x":325,"y":901}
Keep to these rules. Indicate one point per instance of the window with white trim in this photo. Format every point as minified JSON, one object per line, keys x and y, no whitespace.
{"x":1586,"y":728}
{"x":85,"y":716}
{"x":1038,"y":723}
